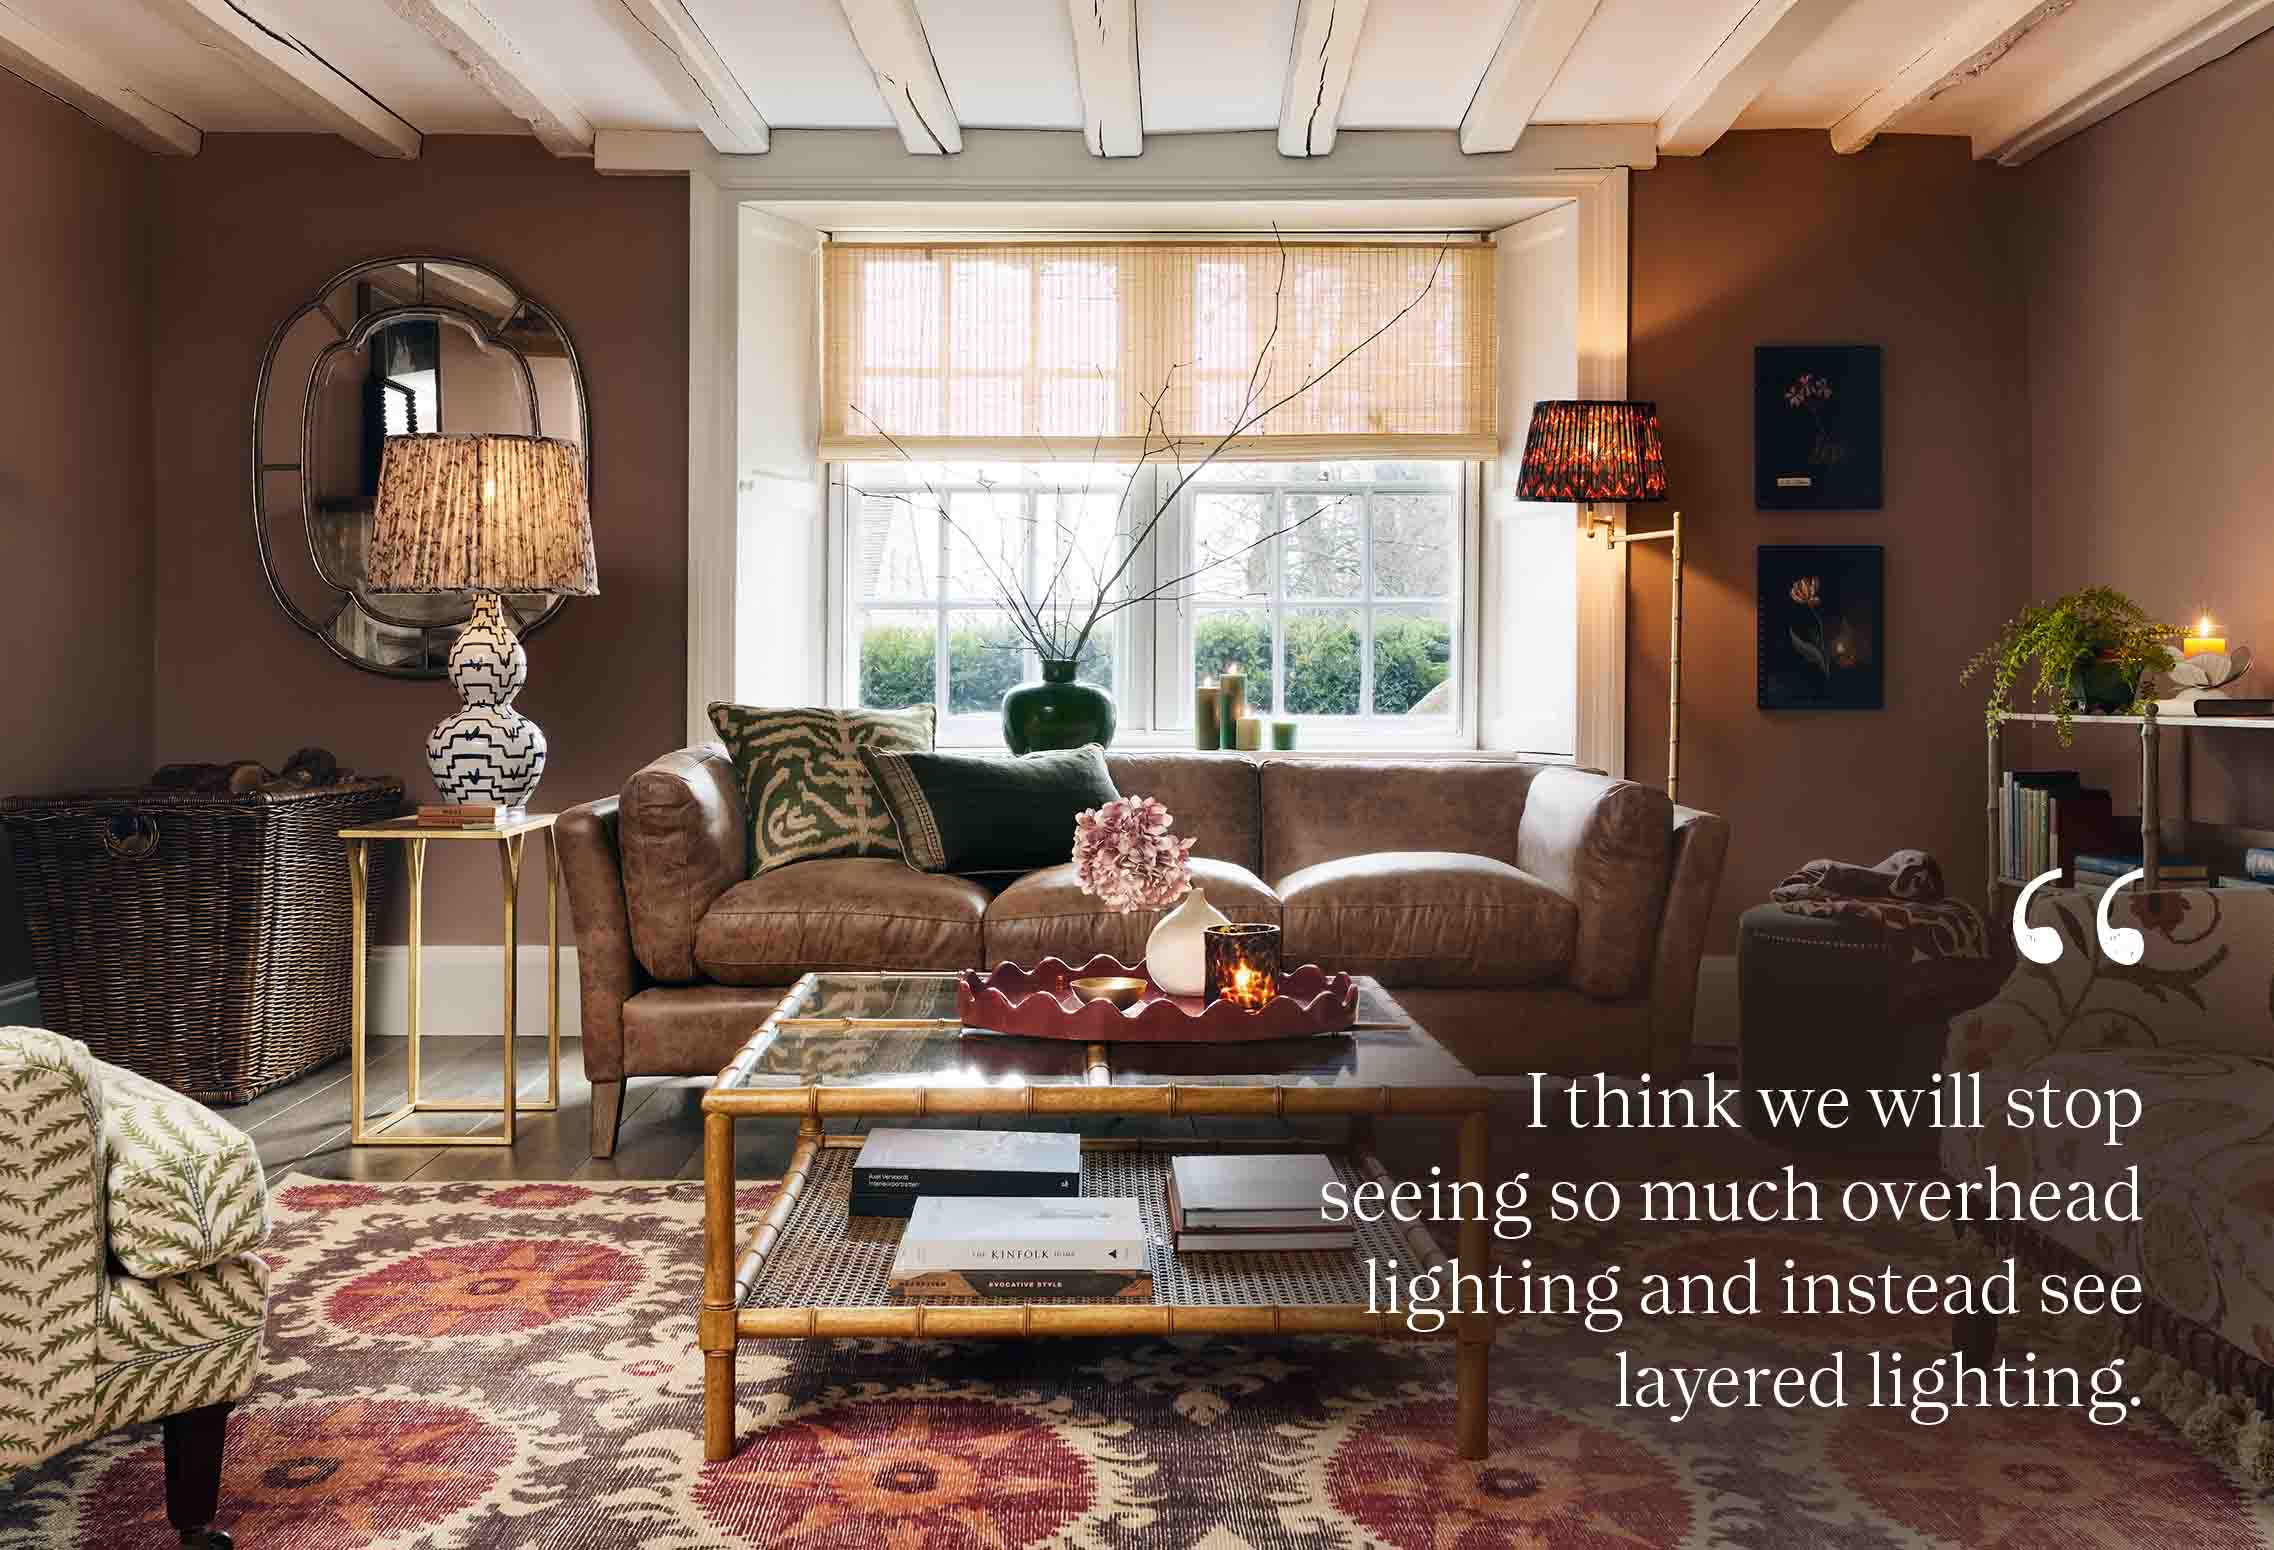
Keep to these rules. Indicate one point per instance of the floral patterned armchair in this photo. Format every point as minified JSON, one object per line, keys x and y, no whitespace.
{"x":129,"y":1289}
{"x":2191,"y":1029}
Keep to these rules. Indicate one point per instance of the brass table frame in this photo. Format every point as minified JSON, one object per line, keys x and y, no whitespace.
{"x":730,"y":1273}
{"x":509,"y":839}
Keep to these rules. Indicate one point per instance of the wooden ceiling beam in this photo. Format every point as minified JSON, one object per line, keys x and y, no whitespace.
{"x":680,"y":55}
{"x":464,"y":31}
{"x":891,"y":38}
{"x":1754,"y":57}
{"x":1981,"y":36}
{"x":1105,"y":62}
{"x":2116,"y":68}
{"x":1318,"y":73}
{"x":295,"y":72}
{"x":76,"y":77}
{"x":1540,"y":37}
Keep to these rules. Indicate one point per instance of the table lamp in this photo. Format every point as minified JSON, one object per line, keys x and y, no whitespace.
{"x":1591,"y":450}
{"x":486,"y":515}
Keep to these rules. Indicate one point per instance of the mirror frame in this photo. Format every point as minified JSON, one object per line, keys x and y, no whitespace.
{"x":352,"y":334}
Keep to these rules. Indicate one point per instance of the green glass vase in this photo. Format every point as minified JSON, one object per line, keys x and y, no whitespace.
{"x":1057,"y":712}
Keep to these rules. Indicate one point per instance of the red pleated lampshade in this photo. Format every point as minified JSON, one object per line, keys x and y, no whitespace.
{"x":1593,"y":450}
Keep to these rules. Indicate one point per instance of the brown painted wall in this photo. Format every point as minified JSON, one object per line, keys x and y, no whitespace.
{"x":1768,"y":239}
{"x":75,"y":527}
{"x":243,"y":234}
{"x":2147,"y":246}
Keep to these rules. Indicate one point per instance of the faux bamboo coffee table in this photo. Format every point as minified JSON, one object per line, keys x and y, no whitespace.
{"x":888,"y":1046}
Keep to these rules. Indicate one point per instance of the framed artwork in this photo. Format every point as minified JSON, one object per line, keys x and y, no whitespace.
{"x":1821,"y":613}
{"x":1816,"y":427}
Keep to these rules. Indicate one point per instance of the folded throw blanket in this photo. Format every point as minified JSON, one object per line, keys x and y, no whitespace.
{"x":1912,"y":876}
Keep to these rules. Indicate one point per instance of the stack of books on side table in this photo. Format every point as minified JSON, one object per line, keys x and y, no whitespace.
{"x":1020,"y":1247}
{"x":896,"y":1167}
{"x":1251,"y":1203}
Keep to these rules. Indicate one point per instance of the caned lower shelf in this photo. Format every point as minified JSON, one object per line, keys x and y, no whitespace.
{"x":826,"y":1272}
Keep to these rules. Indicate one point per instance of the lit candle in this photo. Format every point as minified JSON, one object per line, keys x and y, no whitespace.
{"x":1206,"y":731}
{"x":1233,"y":684}
{"x":2203,"y":642}
{"x":1250,"y":733}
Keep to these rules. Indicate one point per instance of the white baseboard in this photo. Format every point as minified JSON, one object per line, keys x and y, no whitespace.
{"x":19,"y":1004}
{"x":1717,"y":1015}
{"x":459,"y":991}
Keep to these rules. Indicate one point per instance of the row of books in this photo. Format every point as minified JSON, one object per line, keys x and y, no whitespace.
{"x":1001,"y":1214}
{"x":2046,"y":817}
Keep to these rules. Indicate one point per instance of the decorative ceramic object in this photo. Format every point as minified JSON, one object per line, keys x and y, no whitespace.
{"x":1057,"y":712}
{"x":487,"y":752}
{"x":1175,"y":952}
{"x":1040,"y":1002}
{"x":2205,"y":675}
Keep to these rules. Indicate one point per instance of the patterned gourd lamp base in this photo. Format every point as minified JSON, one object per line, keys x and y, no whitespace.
{"x":487,"y":753}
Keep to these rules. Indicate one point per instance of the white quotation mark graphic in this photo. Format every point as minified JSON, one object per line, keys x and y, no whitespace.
{"x":2042,"y":944}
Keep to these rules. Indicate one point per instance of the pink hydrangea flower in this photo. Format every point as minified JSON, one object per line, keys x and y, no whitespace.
{"x":1126,"y":857}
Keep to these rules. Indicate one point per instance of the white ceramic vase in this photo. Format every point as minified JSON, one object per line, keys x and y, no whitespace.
{"x":1174,"y":955}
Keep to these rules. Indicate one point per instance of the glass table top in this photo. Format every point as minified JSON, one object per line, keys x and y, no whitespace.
{"x":900,"y":1030}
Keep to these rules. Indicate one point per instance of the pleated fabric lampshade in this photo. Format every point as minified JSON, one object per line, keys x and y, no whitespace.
{"x":481,"y":514}
{"x":1582,"y":449}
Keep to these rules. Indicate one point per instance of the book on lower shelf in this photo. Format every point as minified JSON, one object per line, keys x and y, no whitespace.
{"x":1023,"y":1246}
{"x":896,"y":1167}
{"x":2106,"y":869}
{"x":2048,"y":816}
{"x":1253,"y":1204}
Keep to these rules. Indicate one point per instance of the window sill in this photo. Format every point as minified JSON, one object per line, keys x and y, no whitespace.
{"x":1387,"y":752}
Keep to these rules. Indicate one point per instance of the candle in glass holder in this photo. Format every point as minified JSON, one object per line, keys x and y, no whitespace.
{"x":1206,"y":699}
{"x":1241,"y":965}
{"x":2203,"y":642}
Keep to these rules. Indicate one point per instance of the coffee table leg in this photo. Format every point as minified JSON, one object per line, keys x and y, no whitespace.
{"x":1472,"y":1417}
{"x":717,"y":1323}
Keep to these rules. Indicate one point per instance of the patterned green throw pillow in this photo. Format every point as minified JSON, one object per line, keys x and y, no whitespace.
{"x":802,"y":782}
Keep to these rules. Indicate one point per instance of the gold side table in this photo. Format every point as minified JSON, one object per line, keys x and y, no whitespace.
{"x":509,"y":839}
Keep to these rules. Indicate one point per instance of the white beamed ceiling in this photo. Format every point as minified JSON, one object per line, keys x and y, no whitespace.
{"x":1204,"y":65}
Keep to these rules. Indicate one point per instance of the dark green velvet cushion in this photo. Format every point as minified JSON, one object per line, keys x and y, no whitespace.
{"x":967,"y":812}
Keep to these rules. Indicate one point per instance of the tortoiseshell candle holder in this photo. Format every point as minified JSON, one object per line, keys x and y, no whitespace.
{"x":1241,"y":965}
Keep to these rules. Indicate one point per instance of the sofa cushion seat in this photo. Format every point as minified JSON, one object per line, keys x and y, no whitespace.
{"x":850,"y":912}
{"x":1429,"y":917}
{"x":1045,"y":914}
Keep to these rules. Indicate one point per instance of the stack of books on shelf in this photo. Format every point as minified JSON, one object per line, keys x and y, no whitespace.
{"x":1253,"y":1203}
{"x":1018,"y":1247}
{"x":895,"y":1168}
{"x":2096,"y":872}
{"x":2047,"y":817}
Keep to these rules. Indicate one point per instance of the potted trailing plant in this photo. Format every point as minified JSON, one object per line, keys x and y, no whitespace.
{"x":2094,"y":651}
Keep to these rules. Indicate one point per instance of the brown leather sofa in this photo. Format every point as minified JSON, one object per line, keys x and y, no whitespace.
{"x":1532,"y":917}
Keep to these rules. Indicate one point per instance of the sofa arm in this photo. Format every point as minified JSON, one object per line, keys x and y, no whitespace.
{"x":51,"y":1239}
{"x":185,"y":1188}
{"x":684,"y":838}
{"x":607,"y":972}
{"x":1701,"y":846}
{"x":1607,"y":846}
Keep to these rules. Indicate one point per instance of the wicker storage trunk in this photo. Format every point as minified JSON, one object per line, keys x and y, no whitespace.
{"x":202,"y":941}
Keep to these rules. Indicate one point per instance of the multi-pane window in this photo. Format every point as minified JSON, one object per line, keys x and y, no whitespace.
{"x":1337,"y":585}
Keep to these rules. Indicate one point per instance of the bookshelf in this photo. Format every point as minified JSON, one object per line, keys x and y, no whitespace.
{"x":2150,"y":729}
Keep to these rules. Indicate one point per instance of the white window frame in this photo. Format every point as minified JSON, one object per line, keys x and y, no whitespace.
{"x":1153,"y":650}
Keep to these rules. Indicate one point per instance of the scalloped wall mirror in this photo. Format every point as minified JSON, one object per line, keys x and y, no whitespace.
{"x":386,"y":348}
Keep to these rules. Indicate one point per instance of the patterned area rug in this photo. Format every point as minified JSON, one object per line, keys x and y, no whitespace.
{"x":514,"y":1365}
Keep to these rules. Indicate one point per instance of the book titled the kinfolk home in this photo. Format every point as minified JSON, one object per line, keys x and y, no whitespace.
{"x":896,"y":1167}
{"x":971,"y":1246}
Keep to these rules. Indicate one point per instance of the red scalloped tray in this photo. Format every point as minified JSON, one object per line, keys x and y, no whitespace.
{"x":1036,"y":1004}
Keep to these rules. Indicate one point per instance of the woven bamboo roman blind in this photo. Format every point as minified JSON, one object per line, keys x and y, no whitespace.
{"x":1046,"y":350}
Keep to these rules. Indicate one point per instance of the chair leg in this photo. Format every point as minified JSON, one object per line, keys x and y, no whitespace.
{"x":193,"y":1474}
{"x":607,"y":1116}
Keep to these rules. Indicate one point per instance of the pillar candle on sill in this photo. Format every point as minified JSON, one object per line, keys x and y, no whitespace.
{"x":1283,"y":736}
{"x":1250,"y":733}
{"x":1206,"y":730}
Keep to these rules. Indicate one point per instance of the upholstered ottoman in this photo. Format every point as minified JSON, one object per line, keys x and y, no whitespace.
{"x":1853,"y":997}
{"x":129,"y":1289}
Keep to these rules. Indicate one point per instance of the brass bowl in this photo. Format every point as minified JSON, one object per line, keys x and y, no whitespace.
{"x":1117,"y":990}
